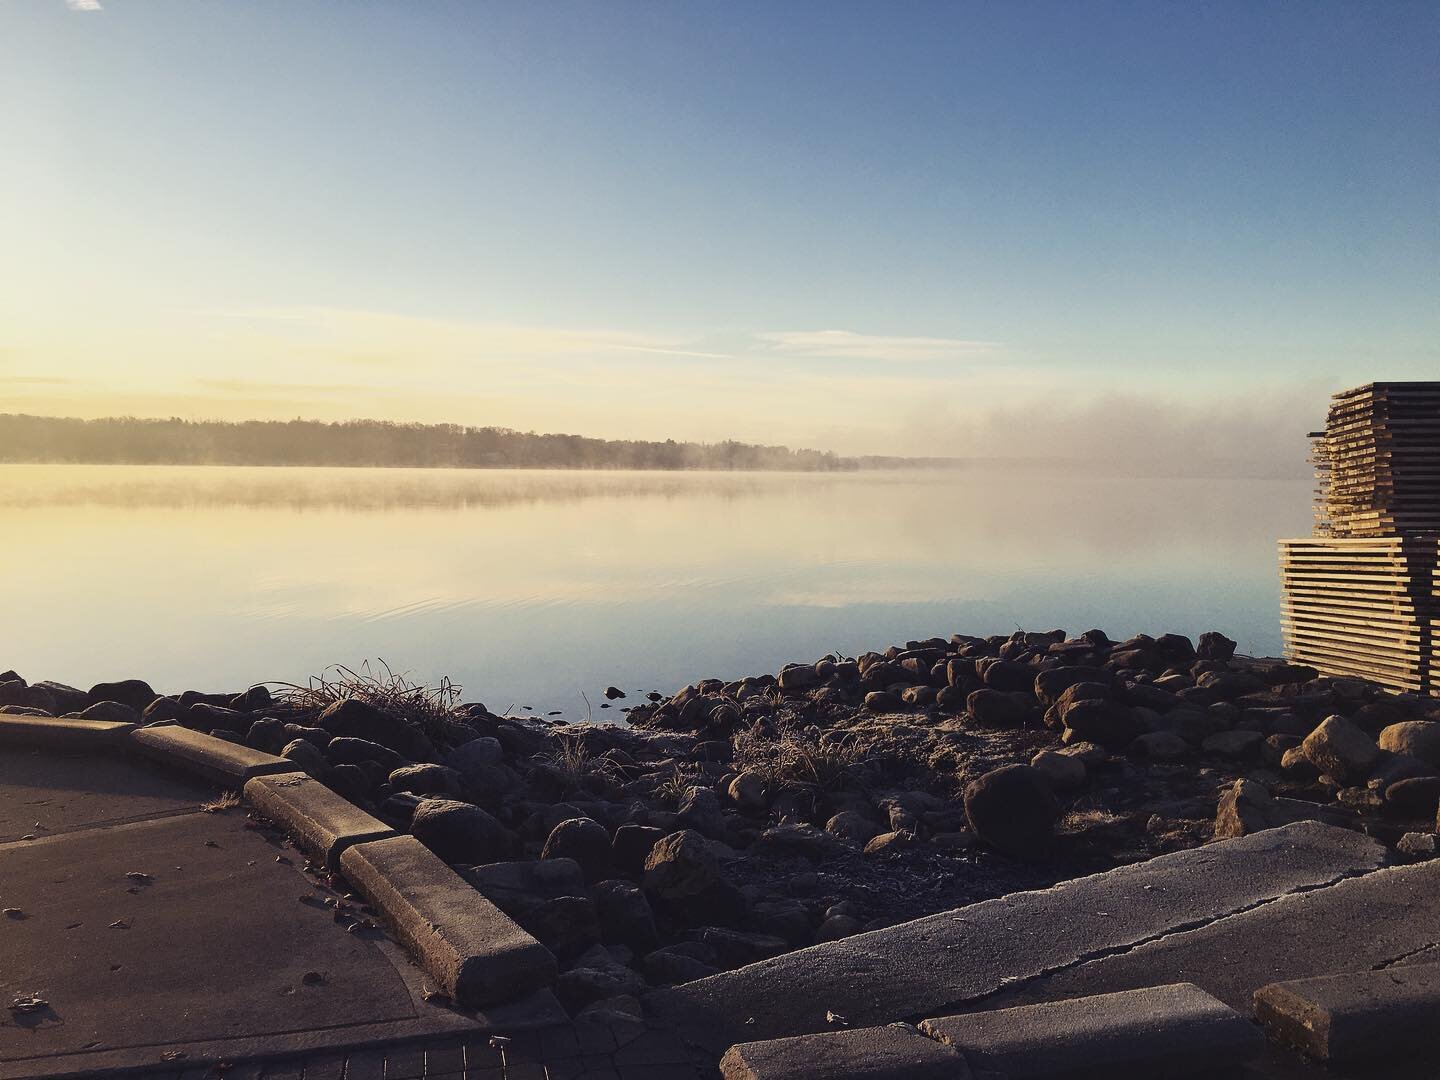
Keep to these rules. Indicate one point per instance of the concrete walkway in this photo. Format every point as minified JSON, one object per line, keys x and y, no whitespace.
{"x":142,"y":932}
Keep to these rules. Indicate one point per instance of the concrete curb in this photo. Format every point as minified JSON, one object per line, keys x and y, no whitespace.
{"x":61,"y":733}
{"x":1369,"y":1014}
{"x":1176,"y":1030}
{"x":476,"y":953}
{"x":215,"y":759}
{"x":320,"y":821}
{"x":894,"y":1052}
{"x":472,"y":949}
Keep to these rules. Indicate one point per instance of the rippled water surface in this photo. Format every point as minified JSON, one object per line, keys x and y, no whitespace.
{"x":531,"y":587}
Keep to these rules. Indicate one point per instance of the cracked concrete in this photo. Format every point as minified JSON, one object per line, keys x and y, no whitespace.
{"x":952,"y":960}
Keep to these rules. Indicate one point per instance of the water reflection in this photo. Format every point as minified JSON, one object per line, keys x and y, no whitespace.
{"x":532,"y":586}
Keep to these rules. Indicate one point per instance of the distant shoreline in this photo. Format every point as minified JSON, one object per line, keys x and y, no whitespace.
{"x":50,"y":440}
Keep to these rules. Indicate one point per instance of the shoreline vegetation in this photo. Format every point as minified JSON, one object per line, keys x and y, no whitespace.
{"x":126,"y":440}
{"x":734,"y":821}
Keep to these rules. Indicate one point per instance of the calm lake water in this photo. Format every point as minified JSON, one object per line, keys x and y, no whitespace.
{"x":531,"y":587}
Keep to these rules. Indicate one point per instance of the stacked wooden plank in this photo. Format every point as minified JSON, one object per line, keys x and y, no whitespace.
{"x":1362,"y":607}
{"x":1362,"y":596}
{"x":1378,"y":461}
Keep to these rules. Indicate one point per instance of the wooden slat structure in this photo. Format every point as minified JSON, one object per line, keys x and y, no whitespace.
{"x":1362,"y":596}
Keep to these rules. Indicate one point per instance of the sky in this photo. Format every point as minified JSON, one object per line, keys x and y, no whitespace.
{"x":1096,"y":230}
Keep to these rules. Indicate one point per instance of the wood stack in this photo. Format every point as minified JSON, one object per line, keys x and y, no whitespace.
{"x":1362,"y":596}
{"x":1378,"y":461}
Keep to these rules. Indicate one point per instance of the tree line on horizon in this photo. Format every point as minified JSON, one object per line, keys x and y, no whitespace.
{"x":129,"y":440}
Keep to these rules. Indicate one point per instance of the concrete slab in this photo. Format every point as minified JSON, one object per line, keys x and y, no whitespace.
{"x":1161,"y":1031}
{"x":893,"y":1052}
{"x":322,"y":822}
{"x":1376,"y":921}
{"x":190,"y":938}
{"x":472,"y":948}
{"x":216,"y":759}
{"x":62,"y":733}
{"x":1358,"y":1015}
{"x":937,"y":964}
{"x":44,"y":794}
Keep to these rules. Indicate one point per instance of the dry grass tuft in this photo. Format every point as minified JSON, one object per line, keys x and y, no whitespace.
{"x":229,"y":800}
{"x":794,"y":759}
{"x":430,"y":708}
{"x":573,"y":761}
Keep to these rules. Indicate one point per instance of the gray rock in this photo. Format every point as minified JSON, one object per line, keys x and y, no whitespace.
{"x":1417,"y":845}
{"x":461,"y":833}
{"x":625,"y":915}
{"x":1248,"y":807}
{"x":1417,"y":738}
{"x":795,"y":838}
{"x":118,"y":713}
{"x":1063,"y":772}
{"x":849,"y":825}
{"x":699,"y":809}
{"x":1341,"y":750}
{"x":1214,"y":646}
{"x":308,"y":757}
{"x":632,"y":844}
{"x":995,"y":708}
{"x":133,"y":692}
{"x":1108,"y":723}
{"x":586,"y":842}
{"x":597,"y":975}
{"x":670,"y":967}
{"x":1013,"y":809}
{"x":475,"y":756}
{"x":681,"y":865}
{"x":1419,"y":796}
{"x":1233,"y":744}
{"x":1162,"y":746}
{"x":348,"y":751}
{"x":883,"y":701}
{"x":426,"y":780}
{"x":747,"y":791}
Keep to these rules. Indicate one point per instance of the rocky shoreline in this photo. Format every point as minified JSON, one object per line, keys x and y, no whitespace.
{"x":734,"y":821}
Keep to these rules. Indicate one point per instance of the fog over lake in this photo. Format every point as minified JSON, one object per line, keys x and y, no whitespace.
{"x":529,"y":587}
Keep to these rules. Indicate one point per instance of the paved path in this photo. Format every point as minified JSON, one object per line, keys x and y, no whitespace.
{"x":153,"y":933}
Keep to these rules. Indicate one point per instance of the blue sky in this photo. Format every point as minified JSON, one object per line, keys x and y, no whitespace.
{"x":913,"y":228}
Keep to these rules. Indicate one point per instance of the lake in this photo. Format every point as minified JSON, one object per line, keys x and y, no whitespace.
{"x":535,"y":588}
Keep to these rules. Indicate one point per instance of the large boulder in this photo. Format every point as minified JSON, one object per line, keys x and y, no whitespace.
{"x":356,"y":719}
{"x":995,"y":708}
{"x":1341,"y":750}
{"x":474,"y":757}
{"x":1050,"y":684}
{"x":681,"y":865}
{"x":115,"y":712}
{"x":426,"y":780}
{"x":1247,"y":807}
{"x":66,"y":698}
{"x":584,"y":840}
{"x":1013,"y":809}
{"x":461,"y":833}
{"x":1417,"y":738}
{"x":133,"y":692}
{"x":596,"y":976}
{"x":1108,"y":723}
{"x":625,"y":915}
{"x":350,"y":751}
{"x":1063,"y":772}
{"x":1214,"y":646}
{"x":747,"y":792}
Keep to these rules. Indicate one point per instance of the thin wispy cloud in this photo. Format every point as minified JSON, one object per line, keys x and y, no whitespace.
{"x":848,"y":345}
{"x":84,"y":5}
{"x":402,"y":339}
